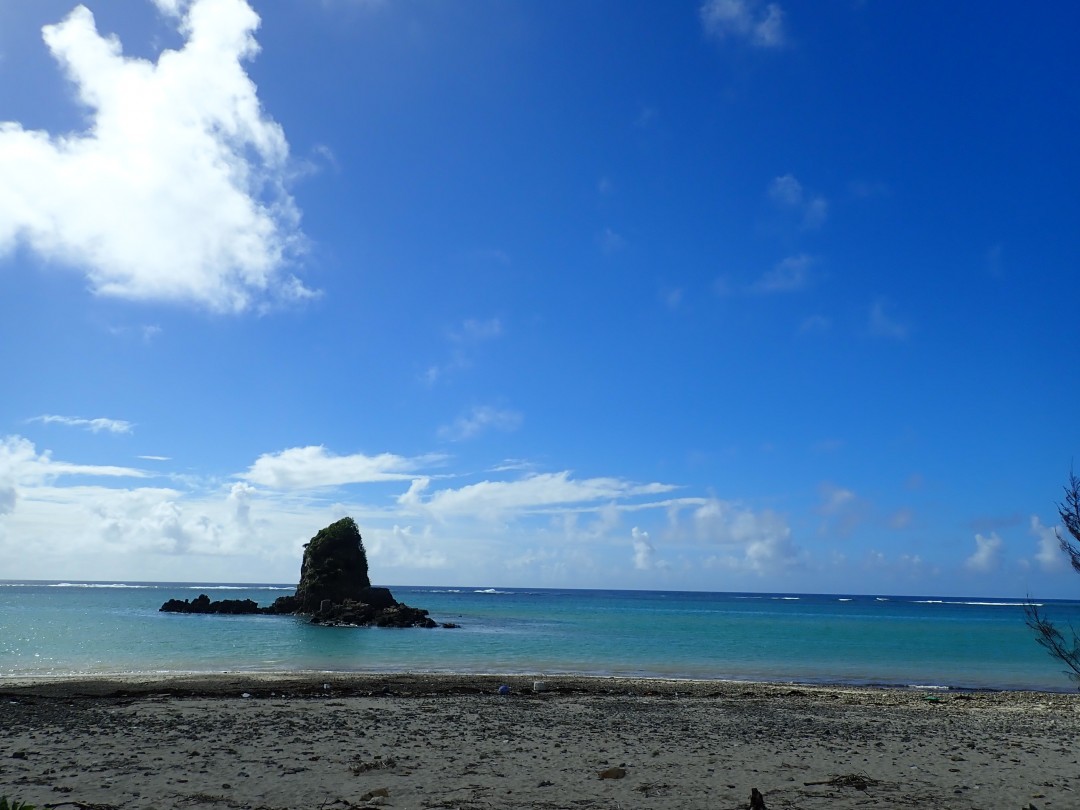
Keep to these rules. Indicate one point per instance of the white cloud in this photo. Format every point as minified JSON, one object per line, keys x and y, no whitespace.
{"x":790,"y":275}
{"x":312,"y":467}
{"x":1049,"y":556}
{"x":530,"y":494}
{"x":175,"y":191}
{"x":22,"y":466}
{"x":171,"y":7}
{"x":93,"y":425}
{"x":787,"y":192}
{"x":760,"y":541}
{"x":987,"y":553}
{"x":644,"y":553}
{"x":744,"y":19}
{"x":405,"y":547}
{"x":20,"y":461}
{"x":480,"y":419}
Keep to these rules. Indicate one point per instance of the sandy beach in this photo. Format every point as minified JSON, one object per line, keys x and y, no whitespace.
{"x":429,"y":742}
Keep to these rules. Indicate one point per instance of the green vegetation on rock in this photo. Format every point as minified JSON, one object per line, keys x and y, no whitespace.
{"x":335,"y":566}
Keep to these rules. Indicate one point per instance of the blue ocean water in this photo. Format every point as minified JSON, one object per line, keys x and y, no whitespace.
{"x":72,"y":628}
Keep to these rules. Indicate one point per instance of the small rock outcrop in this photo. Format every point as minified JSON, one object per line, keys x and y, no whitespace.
{"x":202,"y":604}
{"x":334,"y":588}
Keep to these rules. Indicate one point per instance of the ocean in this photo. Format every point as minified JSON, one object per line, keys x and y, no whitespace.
{"x":50,"y":629}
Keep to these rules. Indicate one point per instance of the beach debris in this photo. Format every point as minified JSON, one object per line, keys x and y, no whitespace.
{"x":504,"y":690}
{"x":612,"y":773}
{"x":859,"y":781}
{"x":539,"y":686}
{"x":246,"y":695}
{"x":360,"y":766}
{"x":757,"y":801}
{"x":652,"y":788}
{"x":378,"y":792}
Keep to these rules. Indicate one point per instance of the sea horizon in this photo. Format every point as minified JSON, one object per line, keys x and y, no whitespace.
{"x":972,"y":598}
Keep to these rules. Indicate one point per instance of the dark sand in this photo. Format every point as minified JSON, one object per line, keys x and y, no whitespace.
{"x":442,"y":741}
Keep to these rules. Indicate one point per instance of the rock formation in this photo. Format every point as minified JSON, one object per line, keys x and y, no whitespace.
{"x":335,"y":567}
{"x":334,"y":588}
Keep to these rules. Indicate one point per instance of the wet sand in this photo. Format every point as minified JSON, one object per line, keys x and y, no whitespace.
{"x":451,"y":741}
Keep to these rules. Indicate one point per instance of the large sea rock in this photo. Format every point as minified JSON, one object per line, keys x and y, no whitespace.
{"x":334,"y":588}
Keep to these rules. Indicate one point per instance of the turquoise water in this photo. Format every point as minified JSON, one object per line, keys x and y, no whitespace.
{"x":50,"y":629}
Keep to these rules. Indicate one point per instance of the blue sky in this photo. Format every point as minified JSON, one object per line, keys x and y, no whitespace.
{"x":723,"y":295}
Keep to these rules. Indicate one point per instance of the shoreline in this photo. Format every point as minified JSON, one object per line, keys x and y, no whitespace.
{"x":25,"y":680}
{"x":438,"y":742}
{"x":411,"y":684}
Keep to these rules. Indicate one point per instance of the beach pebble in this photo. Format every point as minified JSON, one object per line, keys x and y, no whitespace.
{"x":612,"y":773}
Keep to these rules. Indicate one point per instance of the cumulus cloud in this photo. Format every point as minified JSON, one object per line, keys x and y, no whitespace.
{"x":758,"y":542}
{"x":8,"y":496}
{"x":175,"y":191}
{"x":480,"y":419}
{"x":405,"y":547}
{"x":644,"y":552}
{"x":1049,"y":556}
{"x":93,"y":425}
{"x":746,"y":20}
{"x":987,"y":554}
{"x":314,"y":466}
